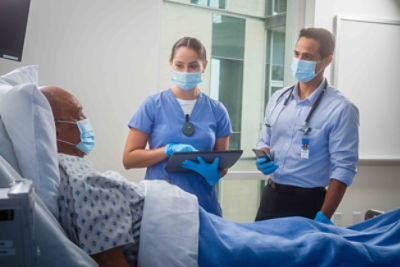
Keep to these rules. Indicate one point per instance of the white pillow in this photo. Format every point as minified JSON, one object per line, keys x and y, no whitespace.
{"x":27,"y":74}
{"x":29,"y":122}
{"x":7,"y":151}
{"x":6,"y":148}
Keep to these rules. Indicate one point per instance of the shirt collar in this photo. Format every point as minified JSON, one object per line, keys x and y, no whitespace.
{"x":311,"y":98}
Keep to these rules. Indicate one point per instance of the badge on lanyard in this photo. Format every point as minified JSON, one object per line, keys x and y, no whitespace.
{"x":305,"y":148}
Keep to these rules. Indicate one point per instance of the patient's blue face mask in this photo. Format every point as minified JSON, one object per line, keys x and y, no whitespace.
{"x":86,"y":135}
{"x":186,"y":80}
{"x":304,"y":70}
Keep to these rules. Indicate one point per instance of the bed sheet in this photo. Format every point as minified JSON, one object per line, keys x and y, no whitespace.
{"x":170,"y":226}
{"x":297,"y":241}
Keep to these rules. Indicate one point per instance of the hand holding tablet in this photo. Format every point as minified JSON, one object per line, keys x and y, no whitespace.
{"x":226,"y":159}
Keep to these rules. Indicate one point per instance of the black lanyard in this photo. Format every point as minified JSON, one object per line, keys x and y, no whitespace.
{"x":305,"y":127}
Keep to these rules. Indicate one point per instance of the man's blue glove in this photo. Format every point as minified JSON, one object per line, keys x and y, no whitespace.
{"x":209,"y":171}
{"x":320,"y":217}
{"x":266,"y":166}
{"x":174,"y":147}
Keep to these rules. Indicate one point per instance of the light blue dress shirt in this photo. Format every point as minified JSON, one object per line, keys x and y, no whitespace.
{"x":333,"y":139}
{"x":162,"y":117}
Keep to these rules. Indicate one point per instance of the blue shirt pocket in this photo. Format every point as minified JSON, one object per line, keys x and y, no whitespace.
{"x":317,"y":141}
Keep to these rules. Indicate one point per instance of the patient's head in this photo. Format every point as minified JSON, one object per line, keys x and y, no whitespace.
{"x":67,"y":111}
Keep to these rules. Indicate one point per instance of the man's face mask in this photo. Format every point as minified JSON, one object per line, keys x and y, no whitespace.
{"x":86,"y":135}
{"x":186,"y":80}
{"x":304,"y":70}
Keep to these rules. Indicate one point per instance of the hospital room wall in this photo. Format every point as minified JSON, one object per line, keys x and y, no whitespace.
{"x":376,"y":185}
{"x":104,"y":52}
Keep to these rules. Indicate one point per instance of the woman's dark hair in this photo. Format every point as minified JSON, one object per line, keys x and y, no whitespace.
{"x":191,"y":43}
{"x":324,"y":37}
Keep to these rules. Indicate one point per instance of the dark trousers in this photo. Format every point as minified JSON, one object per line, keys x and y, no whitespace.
{"x":284,"y":201}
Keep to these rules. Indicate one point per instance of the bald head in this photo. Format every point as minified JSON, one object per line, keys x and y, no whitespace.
{"x":64,"y":105}
{"x":65,"y":108}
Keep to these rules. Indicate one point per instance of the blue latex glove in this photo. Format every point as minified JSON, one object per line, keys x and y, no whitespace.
{"x":209,"y":171}
{"x":266,"y":166}
{"x":174,"y":147}
{"x":320,"y":217}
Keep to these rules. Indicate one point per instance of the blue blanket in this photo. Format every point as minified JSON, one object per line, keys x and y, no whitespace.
{"x":297,"y":241}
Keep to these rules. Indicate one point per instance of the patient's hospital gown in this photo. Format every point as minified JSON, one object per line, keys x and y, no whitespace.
{"x":97,"y":210}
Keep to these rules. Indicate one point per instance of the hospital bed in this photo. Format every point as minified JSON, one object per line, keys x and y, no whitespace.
{"x":16,"y":223}
{"x":169,"y":235}
{"x":28,"y":149}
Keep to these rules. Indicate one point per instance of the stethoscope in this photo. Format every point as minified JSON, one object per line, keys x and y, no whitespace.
{"x":305,"y":126}
{"x":188,"y":127}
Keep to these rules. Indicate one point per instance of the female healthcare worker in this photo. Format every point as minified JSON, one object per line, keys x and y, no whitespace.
{"x":181,"y":119}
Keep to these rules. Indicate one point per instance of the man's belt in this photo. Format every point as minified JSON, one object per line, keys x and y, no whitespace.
{"x":294,"y":189}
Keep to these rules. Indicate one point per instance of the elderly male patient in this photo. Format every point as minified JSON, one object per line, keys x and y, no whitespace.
{"x":100,"y":212}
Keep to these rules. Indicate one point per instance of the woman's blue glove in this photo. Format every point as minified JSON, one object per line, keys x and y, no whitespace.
{"x":266,"y":166}
{"x":320,"y":217}
{"x":209,"y":171}
{"x":174,"y":147}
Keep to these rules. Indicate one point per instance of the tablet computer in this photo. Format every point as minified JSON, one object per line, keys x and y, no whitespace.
{"x":226,"y":159}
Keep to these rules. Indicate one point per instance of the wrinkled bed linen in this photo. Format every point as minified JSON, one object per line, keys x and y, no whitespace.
{"x":297,"y":241}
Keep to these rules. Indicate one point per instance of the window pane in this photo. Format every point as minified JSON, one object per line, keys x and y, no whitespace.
{"x":280,"y":6}
{"x":226,"y":86}
{"x":274,"y":62}
{"x":275,"y":88}
{"x":234,"y":141}
{"x":269,"y":7}
{"x":275,"y":6}
{"x":277,"y":72}
{"x":199,"y":2}
{"x":217,"y":3}
{"x":228,"y":37}
{"x":278,"y":48}
{"x":209,"y":3}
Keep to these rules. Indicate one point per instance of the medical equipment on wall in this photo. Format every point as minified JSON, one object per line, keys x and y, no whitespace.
{"x":14,"y":17}
{"x":305,"y":126}
{"x":17,"y":245}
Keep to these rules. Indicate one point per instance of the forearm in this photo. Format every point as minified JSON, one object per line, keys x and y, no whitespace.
{"x":112,"y":257}
{"x":140,"y":158}
{"x":333,"y":197}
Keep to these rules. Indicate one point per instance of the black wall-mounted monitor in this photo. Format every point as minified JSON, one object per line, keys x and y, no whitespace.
{"x":13,"y":20}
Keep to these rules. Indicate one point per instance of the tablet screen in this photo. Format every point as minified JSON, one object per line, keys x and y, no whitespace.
{"x":226,"y":159}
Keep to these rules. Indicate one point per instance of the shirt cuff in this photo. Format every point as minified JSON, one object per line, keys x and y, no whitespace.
{"x":344,"y":175}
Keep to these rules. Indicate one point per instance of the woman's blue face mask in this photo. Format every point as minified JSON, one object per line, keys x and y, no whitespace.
{"x":86,"y":135}
{"x":186,"y":80}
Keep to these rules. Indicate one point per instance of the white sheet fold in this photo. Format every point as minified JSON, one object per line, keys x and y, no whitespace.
{"x":170,"y":226}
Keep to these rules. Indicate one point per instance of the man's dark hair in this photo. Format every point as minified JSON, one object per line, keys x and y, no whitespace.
{"x":324,"y":37}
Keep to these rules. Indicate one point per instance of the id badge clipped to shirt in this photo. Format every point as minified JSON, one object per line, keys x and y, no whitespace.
{"x":305,"y":148}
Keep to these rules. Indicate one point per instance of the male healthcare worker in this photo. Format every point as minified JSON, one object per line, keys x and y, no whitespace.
{"x":310,"y":137}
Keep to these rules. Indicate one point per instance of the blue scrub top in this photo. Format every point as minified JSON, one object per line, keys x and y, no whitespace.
{"x":162,"y":118}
